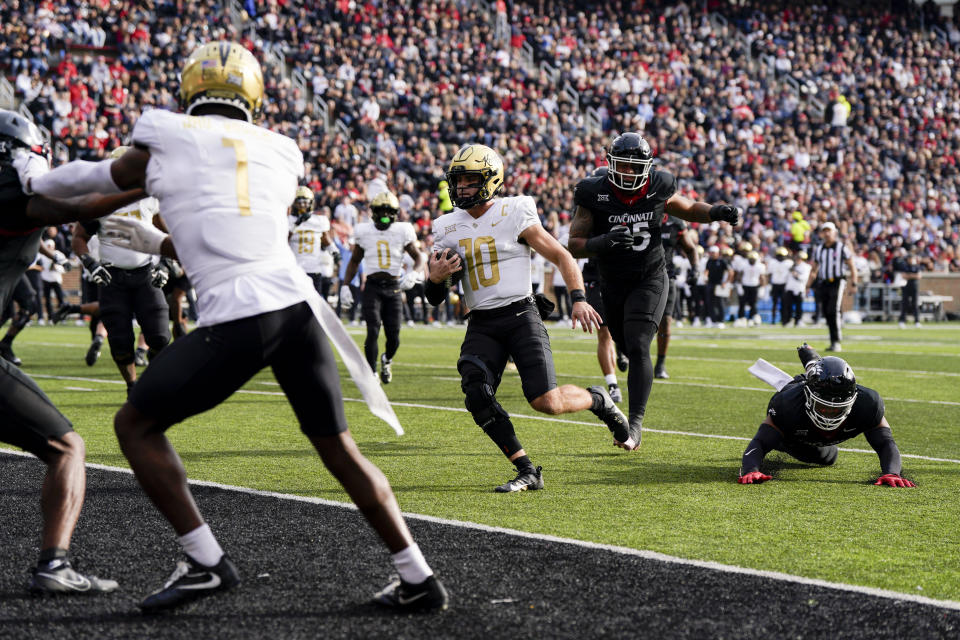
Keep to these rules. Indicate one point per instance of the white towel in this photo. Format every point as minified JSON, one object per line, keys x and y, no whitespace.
{"x":772,"y":375}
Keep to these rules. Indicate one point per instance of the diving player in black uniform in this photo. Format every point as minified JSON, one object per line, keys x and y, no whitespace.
{"x":817,"y":410}
{"x":618,"y":219}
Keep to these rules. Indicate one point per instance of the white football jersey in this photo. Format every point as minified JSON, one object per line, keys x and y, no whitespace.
{"x":750,"y":273}
{"x":143,"y":211}
{"x":497,"y":265}
{"x":224,"y":187}
{"x":799,"y":274}
{"x":779,"y":270}
{"x":383,"y":250}
{"x":305,"y":244}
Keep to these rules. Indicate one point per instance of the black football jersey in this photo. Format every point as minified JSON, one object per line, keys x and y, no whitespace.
{"x":670,"y":230}
{"x":642,"y":214}
{"x":787,"y":410}
{"x":19,"y":242}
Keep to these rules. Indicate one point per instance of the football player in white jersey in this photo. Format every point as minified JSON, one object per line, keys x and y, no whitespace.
{"x":490,"y":239}
{"x":380,"y":245}
{"x":779,"y":267}
{"x":224,"y":186}
{"x":311,"y":242}
{"x":130,"y":286}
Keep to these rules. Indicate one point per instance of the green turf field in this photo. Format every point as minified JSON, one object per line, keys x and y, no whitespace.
{"x":677,"y":495}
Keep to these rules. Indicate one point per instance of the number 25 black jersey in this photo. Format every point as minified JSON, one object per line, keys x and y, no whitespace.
{"x":641,"y":212}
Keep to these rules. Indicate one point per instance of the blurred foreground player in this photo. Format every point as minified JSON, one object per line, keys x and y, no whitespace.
{"x":28,"y":419}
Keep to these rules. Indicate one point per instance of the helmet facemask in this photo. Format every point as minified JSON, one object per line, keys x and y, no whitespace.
{"x":383,"y":217}
{"x":628,"y":173}
{"x":481,"y":178}
{"x":303,"y":209}
{"x":830,"y":390}
{"x":827,"y":414}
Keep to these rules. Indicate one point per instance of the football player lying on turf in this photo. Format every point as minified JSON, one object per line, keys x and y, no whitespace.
{"x":814,"y":412}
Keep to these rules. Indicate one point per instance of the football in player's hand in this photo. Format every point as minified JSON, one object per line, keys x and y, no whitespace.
{"x":453,"y":278}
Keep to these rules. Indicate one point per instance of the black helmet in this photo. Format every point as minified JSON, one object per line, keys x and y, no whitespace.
{"x":831,"y":390}
{"x":17,"y":132}
{"x":629,"y":160}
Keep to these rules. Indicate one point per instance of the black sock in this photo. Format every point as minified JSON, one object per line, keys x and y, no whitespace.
{"x":7,"y":340}
{"x":597,"y":402}
{"x":98,"y":339}
{"x":660,"y":360}
{"x":523,"y":464}
{"x":48,"y":555}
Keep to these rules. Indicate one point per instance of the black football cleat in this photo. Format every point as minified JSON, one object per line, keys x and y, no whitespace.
{"x":605,"y":409}
{"x":140,"y":357}
{"x":661,"y":372}
{"x":615,"y":394}
{"x":525,"y":481}
{"x":93,"y":353}
{"x":58,"y":577}
{"x":623,"y":362}
{"x":190,"y":581}
{"x":6,"y":352}
{"x":63,"y":311}
{"x":402,"y":596}
{"x":385,"y":374}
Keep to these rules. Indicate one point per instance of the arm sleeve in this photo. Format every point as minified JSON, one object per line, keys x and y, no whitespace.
{"x":766,"y":439}
{"x":436,"y":292}
{"x":881,"y":439}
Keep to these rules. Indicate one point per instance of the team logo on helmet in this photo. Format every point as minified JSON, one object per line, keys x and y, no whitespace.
{"x":222,"y":73}
{"x":475,"y":162}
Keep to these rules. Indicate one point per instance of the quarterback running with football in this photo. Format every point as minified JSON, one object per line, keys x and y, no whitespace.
{"x":224,"y":185}
{"x":618,"y":219}
{"x":28,"y":419}
{"x":817,"y":410}
{"x":380,"y":245}
{"x":489,"y":238}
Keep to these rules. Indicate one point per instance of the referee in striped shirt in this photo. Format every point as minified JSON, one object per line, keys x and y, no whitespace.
{"x":828,"y":276}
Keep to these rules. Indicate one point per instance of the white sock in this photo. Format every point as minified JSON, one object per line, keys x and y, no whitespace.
{"x":200,"y":545}
{"x":610,"y":378}
{"x":411,"y":565}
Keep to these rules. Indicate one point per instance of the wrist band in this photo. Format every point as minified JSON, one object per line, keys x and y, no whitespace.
{"x":577,"y":295}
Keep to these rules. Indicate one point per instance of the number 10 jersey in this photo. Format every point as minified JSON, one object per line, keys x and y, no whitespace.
{"x":496,"y":263}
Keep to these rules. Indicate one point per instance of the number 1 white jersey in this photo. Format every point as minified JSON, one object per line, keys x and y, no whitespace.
{"x":224,"y":188}
{"x":383,"y":250}
{"x":497,"y":265}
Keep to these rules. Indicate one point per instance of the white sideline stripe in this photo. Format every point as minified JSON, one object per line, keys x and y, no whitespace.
{"x":640,"y":553}
{"x":414,"y":405}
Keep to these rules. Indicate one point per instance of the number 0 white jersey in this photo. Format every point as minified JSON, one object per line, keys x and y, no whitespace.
{"x":143,"y":212}
{"x":383,"y":250}
{"x":305,"y":244}
{"x":224,"y":187}
{"x":497,"y":265}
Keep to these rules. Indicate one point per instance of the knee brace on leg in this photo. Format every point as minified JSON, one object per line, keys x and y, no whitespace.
{"x":477,"y":384}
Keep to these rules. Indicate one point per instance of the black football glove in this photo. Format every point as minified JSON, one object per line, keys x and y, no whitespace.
{"x":159,"y":276}
{"x":692,"y":277}
{"x":807,"y":354}
{"x":725,"y":213}
{"x":98,"y":272}
{"x":619,"y":237}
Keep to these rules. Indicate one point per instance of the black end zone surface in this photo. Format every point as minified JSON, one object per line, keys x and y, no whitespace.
{"x":309,"y":571}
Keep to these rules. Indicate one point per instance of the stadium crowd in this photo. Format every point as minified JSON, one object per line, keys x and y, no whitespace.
{"x":789,"y":110}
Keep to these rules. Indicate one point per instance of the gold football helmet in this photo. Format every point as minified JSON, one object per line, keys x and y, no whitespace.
{"x":119,"y":151}
{"x":303,"y":204}
{"x":475,"y":161}
{"x":222,"y":73}
{"x":385,"y":208}
{"x":782,"y":252}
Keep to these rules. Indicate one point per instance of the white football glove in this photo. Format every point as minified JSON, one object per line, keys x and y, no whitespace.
{"x":29,"y":165}
{"x":346,"y":296}
{"x":59,"y":258}
{"x":128,"y":233}
{"x":410,"y":280}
